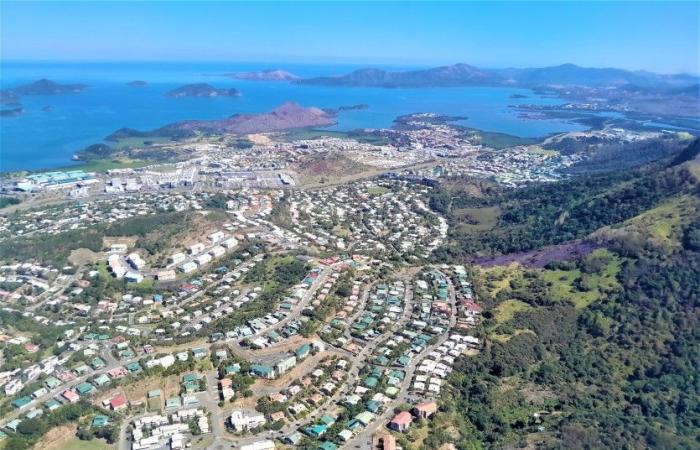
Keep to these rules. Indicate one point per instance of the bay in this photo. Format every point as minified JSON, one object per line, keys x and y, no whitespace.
{"x":38,"y":139}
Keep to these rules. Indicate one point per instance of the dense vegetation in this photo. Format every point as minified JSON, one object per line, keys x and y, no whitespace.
{"x":8,"y":201}
{"x":53,"y":249}
{"x":30,"y":431}
{"x":598,"y":352}
{"x":553,"y":213}
{"x":620,"y":373}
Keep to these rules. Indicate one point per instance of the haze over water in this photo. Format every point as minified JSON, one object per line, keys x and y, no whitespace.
{"x":38,"y":139}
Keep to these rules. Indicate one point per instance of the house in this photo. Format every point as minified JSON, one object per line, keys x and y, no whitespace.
{"x":100,"y":421}
{"x":327,"y":445}
{"x":52,"y":405}
{"x":303,"y":351}
{"x":297,"y":408}
{"x":199,"y":353}
{"x":401,"y":421}
{"x":345,"y":435}
{"x":241,"y":422}
{"x":84,"y":388}
{"x":274,"y":417}
{"x":39,"y":392}
{"x":173,"y":403}
{"x":388,"y":442}
{"x":365,"y":418}
{"x":232,"y":369}
{"x":101,"y":380}
{"x":70,"y":395}
{"x":293,"y":439}
{"x":425,"y":410}
{"x":259,"y":445}
{"x":117,"y":372}
{"x":316,"y":430}
{"x":134,"y":367}
{"x":22,"y":402}
{"x":118,"y":402}
{"x":52,"y":382}
{"x":315,"y":399}
{"x":286,"y":364}
{"x":262,"y":371}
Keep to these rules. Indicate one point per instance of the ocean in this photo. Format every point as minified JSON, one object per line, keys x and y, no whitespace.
{"x":39,"y":140}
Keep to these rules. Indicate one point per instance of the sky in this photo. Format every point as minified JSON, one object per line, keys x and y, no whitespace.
{"x":657,"y":36}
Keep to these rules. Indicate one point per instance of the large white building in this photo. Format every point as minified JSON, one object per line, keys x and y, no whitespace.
{"x":241,"y":422}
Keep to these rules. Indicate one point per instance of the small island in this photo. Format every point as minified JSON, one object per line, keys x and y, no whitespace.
{"x":8,"y":97}
{"x":518,"y":96}
{"x":264,"y":75}
{"x":47,"y":108}
{"x":357,"y":107}
{"x":202,"y":90}
{"x":48,"y":87}
{"x":13,"y":112}
{"x":137,"y":83}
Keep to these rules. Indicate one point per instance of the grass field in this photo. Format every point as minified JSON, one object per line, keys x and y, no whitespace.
{"x":139,"y":141}
{"x":507,"y":309}
{"x":101,"y":165}
{"x":475,"y":220}
{"x":503,"y":338}
{"x":94,"y":444}
{"x":583,"y":288}
{"x":498,"y":278}
{"x":664,"y":223}
{"x":537,"y":150}
{"x":501,"y":140}
{"x":378,"y":190}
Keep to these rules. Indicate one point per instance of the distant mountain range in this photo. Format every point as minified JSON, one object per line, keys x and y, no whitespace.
{"x":202,"y":90}
{"x":263,"y":75}
{"x":288,"y":116}
{"x":466,"y":75}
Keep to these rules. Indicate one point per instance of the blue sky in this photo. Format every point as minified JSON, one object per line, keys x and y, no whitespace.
{"x":656,"y":36}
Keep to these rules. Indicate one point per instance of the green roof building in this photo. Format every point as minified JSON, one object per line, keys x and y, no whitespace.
{"x":134,"y":367}
{"x":154,"y":393}
{"x":100,"y":421}
{"x":84,"y":388}
{"x":22,"y":402}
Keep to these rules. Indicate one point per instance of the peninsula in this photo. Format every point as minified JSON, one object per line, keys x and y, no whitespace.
{"x":288,"y":116}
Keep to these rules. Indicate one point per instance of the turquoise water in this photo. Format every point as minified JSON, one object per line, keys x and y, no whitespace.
{"x":39,"y":139}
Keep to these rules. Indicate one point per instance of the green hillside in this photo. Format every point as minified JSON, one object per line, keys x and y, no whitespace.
{"x":600,"y":351}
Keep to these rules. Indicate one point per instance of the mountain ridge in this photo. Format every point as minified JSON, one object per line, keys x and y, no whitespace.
{"x":467,"y":75}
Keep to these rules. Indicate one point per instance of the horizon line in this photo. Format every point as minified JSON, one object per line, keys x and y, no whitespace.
{"x":321,"y":62}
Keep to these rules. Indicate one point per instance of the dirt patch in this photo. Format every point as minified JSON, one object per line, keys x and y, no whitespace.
{"x":83,"y":256}
{"x":324,"y":169}
{"x":259,"y":139}
{"x":286,"y":345}
{"x":301,"y":369}
{"x":540,"y":258}
{"x":136,"y":391}
{"x":56,"y":438}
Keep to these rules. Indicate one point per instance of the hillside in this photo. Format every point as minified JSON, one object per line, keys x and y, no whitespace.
{"x":287,"y":116}
{"x":556,"y":213}
{"x":583,"y":350}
